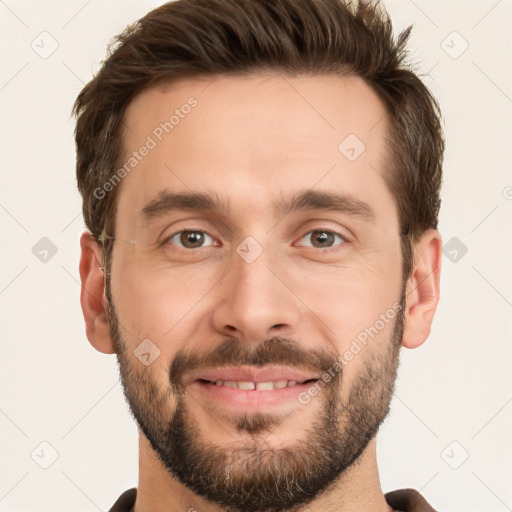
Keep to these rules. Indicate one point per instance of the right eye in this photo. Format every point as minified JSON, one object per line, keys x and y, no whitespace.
{"x":191,"y":239}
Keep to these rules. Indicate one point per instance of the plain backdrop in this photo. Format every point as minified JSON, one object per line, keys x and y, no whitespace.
{"x":67,"y":439}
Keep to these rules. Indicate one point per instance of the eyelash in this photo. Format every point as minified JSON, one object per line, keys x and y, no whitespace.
{"x":320,"y":230}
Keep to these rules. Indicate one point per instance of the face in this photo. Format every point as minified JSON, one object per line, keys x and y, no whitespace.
{"x":255,"y":289}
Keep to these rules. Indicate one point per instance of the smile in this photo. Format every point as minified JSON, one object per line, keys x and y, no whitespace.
{"x":259,"y":386}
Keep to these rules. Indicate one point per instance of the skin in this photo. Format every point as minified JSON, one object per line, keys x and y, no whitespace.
{"x":253,"y":140}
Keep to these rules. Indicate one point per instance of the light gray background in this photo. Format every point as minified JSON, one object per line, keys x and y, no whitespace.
{"x":454,"y":395}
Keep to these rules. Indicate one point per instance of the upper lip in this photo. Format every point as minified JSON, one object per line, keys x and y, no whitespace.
{"x":251,"y":374}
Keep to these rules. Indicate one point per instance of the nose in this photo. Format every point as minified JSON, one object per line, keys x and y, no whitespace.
{"x":256,"y":302}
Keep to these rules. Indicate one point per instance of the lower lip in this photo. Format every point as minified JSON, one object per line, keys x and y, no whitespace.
{"x":251,"y":399}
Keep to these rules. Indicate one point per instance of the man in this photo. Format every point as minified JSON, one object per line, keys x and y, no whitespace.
{"x":260,"y":184}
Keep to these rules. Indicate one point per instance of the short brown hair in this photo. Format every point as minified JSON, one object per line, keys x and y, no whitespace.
{"x":194,"y":38}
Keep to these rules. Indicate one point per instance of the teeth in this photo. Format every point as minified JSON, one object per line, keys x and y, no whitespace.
{"x":260,"y":386}
{"x":264,"y":386}
{"x":246,"y":385}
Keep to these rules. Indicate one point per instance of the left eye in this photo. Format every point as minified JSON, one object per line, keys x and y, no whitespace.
{"x":191,"y":239}
{"x":321,"y":239}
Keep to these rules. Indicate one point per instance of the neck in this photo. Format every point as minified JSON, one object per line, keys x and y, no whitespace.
{"x":358,"y":489}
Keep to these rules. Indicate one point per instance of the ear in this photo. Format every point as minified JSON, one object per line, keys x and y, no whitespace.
{"x":92,"y":295}
{"x":422,"y":292}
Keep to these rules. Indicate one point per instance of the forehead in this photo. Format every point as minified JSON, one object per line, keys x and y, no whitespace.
{"x":252,"y":138}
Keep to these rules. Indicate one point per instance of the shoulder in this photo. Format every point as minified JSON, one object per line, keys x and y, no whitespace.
{"x":125,"y":502}
{"x":408,"y":500}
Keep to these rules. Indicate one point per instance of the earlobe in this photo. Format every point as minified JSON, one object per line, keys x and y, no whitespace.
{"x":422,"y":293}
{"x":92,"y":295}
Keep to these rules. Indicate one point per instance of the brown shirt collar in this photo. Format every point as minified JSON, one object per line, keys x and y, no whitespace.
{"x":403,"y":500}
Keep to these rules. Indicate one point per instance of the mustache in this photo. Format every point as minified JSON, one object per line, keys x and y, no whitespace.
{"x":231,"y":352}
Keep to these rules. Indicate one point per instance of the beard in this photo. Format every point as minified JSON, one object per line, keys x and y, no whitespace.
{"x":252,"y":475}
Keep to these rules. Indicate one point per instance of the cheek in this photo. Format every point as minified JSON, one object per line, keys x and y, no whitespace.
{"x":351,"y":299}
{"x":157,"y":302}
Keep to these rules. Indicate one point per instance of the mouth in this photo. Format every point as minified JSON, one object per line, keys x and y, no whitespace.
{"x":251,"y":377}
{"x":260,"y":386}
{"x":249,"y":389}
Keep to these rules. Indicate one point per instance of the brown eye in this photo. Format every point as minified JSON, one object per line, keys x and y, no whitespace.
{"x":191,"y":239}
{"x":322,"y":239}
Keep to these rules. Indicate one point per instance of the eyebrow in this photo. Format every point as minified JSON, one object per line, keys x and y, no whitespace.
{"x":167,"y":201}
